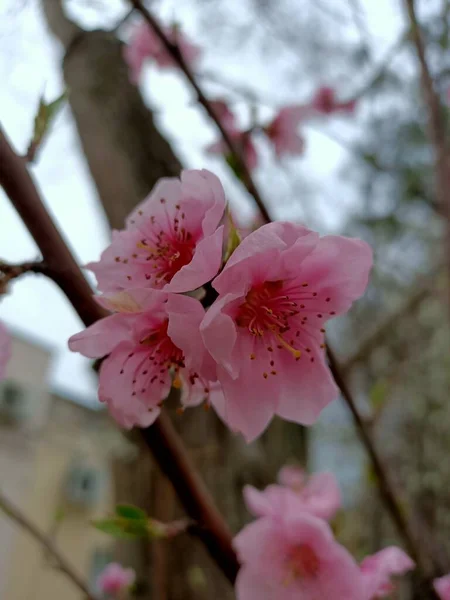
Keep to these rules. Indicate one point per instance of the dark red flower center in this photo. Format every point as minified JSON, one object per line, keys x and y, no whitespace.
{"x":277,"y":314}
{"x":303,"y":562}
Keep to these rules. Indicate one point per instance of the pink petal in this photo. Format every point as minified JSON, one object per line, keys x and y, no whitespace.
{"x":207,"y":191}
{"x":103,"y":336}
{"x":250,"y":401}
{"x":378,"y":569}
{"x":119,"y":371}
{"x":338,"y":268}
{"x":168,"y":189}
{"x":185,"y":315}
{"x":218,"y":332}
{"x":250,"y":586}
{"x":307,"y":387}
{"x":203,"y":267}
{"x":442,"y":587}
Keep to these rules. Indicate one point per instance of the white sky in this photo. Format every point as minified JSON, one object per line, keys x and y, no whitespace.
{"x":30,"y":63}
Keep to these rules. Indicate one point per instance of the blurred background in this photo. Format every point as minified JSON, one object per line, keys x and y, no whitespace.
{"x":368,"y":175}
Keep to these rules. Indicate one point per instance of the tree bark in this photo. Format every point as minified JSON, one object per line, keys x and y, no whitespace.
{"x":126,"y":155}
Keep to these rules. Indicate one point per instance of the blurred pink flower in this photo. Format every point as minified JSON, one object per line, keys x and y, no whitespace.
{"x":325,"y":102}
{"x":224,"y":114}
{"x":265,"y":329}
{"x":5,"y":349}
{"x":145,"y":44}
{"x":151,"y":336}
{"x":115,"y":579}
{"x":294,"y":556}
{"x":283,"y":130}
{"x":244,"y":144}
{"x":378,"y":569}
{"x":317,"y":495}
{"x":442,"y":587}
{"x":172,"y":241}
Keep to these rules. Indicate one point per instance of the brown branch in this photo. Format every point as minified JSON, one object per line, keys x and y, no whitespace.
{"x":60,"y":562}
{"x":175,"y":53}
{"x":436,"y":125}
{"x":10,"y":271}
{"x":161,"y":438}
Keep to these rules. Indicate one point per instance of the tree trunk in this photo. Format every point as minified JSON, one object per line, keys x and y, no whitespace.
{"x":126,"y":155}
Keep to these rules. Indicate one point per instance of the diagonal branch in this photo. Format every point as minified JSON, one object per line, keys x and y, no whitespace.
{"x":436,"y":125}
{"x":175,"y":53}
{"x":18,"y":517}
{"x":161,"y":438}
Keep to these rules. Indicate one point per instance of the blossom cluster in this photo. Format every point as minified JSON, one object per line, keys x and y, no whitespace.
{"x":257,"y":350}
{"x":282,"y":131}
{"x":290,"y":552}
{"x":5,"y":349}
{"x":115,"y":581}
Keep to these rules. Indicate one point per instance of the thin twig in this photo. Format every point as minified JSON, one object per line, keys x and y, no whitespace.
{"x":161,"y":438}
{"x":16,"y":515}
{"x":10,"y":271}
{"x":436,"y":126}
{"x":175,"y":53}
{"x":422,"y":291}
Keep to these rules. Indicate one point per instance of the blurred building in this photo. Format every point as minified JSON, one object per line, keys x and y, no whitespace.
{"x":55,"y":462}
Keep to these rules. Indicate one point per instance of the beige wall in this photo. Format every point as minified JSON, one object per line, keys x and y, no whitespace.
{"x":35,"y":459}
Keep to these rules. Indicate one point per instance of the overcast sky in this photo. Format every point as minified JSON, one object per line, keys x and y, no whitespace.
{"x":30,"y":64}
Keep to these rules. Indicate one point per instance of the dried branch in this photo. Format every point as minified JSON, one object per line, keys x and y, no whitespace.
{"x":174,"y":51}
{"x":168,"y":450}
{"x":60,"y":562}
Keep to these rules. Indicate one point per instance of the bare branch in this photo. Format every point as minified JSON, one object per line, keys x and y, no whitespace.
{"x":18,"y":517}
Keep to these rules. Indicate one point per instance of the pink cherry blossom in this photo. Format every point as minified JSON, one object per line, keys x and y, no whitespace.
{"x":224,"y":114}
{"x":294,"y":556}
{"x":244,"y":144}
{"x":317,"y":494}
{"x":378,"y":569}
{"x":265,"y":330}
{"x":5,"y":349}
{"x":442,"y":587}
{"x":283,"y":130}
{"x":172,"y":241}
{"x":145,"y":44}
{"x":325,"y":102}
{"x":115,"y":579}
{"x":151,"y":336}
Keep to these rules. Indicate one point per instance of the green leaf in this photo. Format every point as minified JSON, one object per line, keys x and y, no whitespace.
{"x":234,"y":239}
{"x":122,"y":528}
{"x":128,"y":511}
{"x":44,"y":118}
{"x":234,"y":165}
